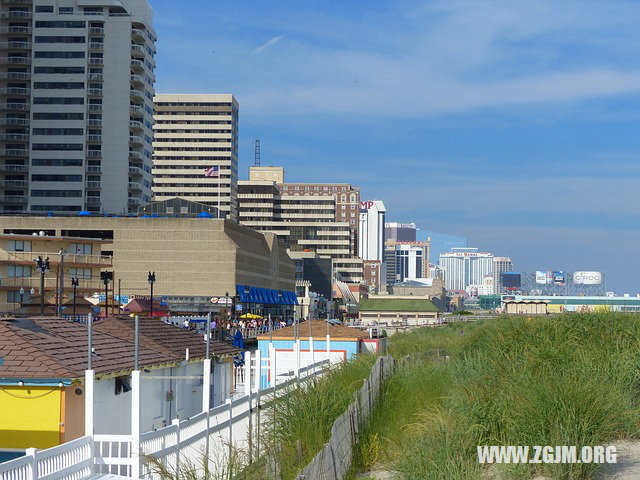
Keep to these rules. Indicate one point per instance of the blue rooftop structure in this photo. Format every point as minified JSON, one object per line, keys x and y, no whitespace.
{"x":267,"y":296}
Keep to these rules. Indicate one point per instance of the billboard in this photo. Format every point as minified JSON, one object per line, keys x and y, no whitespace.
{"x":541,"y":278}
{"x":587,"y":278}
{"x":511,"y":280}
{"x":558,"y":278}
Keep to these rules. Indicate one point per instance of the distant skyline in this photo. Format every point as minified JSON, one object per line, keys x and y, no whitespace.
{"x":514,"y":124}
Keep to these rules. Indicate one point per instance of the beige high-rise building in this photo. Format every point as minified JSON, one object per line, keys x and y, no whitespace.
{"x":195,"y":150}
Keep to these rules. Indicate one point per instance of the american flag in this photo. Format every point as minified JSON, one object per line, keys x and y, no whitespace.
{"x":212,"y":172}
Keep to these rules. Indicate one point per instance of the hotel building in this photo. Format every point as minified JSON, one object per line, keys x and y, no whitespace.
{"x":76,"y":113}
{"x":196,"y":150}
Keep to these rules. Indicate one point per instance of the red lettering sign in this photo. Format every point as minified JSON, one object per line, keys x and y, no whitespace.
{"x":366,"y":205}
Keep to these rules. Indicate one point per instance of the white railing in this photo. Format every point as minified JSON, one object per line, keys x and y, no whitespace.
{"x":69,"y":461}
{"x":113,"y":454}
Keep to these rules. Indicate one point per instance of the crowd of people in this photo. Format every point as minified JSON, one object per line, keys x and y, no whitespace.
{"x":262,"y":324}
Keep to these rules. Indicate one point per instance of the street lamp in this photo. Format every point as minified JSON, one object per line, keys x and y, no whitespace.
{"x":43,"y":266}
{"x":75,"y":282}
{"x":21,"y":295}
{"x":280,"y":302}
{"x":151,"y":279}
{"x":246,"y":296}
{"x":106,"y":278}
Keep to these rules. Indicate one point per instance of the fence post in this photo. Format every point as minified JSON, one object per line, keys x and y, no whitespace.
{"x":258,"y":384}
{"x":272,"y":367}
{"x":230,"y":406}
{"x":176,"y":424}
{"x":33,"y":461}
{"x":248,"y":391}
{"x":206,"y":401}
{"x":135,"y":424}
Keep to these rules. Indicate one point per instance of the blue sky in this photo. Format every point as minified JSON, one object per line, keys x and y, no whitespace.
{"x":512,"y":123}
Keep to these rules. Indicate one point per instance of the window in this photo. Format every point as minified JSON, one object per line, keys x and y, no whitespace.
{"x":57,"y":193}
{"x":60,"y":39}
{"x":56,"y":178}
{"x":65,"y":10}
{"x":170,"y":210}
{"x":18,"y":271}
{"x":80,"y":248}
{"x":58,"y":101}
{"x":60,"y":24}
{"x":58,"y":85}
{"x":58,"y":54}
{"x":14,"y":297}
{"x":62,"y":70}
{"x":83,"y":273}
{"x":58,"y":116}
{"x":58,"y":147}
{"x":19,"y":246}
{"x":56,"y":162}
{"x":44,"y":9}
{"x":58,"y":131}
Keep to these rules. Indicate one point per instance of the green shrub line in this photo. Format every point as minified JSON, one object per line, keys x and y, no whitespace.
{"x":566,"y":380}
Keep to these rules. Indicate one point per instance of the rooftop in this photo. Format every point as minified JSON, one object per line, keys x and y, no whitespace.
{"x":55,"y":349}
{"x":319,"y":330}
{"x":397,"y":305}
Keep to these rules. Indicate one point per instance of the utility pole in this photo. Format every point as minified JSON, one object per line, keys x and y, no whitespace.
{"x":62,"y":253}
{"x":43,"y":266}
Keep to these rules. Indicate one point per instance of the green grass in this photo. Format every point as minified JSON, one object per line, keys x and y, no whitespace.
{"x":568,"y":380}
{"x":299,"y":424}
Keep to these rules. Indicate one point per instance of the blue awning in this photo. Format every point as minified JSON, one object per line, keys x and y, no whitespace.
{"x":267,"y":296}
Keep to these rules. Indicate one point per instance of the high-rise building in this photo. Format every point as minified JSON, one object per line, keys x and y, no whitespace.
{"x":441,"y":242}
{"x":195,"y":150}
{"x":400,"y":232}
{"x":500,"y":265}
{"x":465,"y":266}
{"x":76,"y":119}
{"x":371,"y":242}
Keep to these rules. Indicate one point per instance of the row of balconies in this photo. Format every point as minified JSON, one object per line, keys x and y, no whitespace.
{"x":15,"y":76}
{"x":15,"y":30}
{"x":14,"y":122}
{"x":15,"y":45}
{"x":13,"y":199}
{"x":26,"y":258}
{"x":16,"y":15}
{"x":14,"y":168}
{"x":14,"y":137}
{"x":15,"y":60}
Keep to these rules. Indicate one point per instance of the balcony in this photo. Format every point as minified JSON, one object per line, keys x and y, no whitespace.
{"x":15,"y":183}
{"x":94,"y":138}
{"x":96,"y":46}
{"x":137,"y":80}
{"x":96,"y":61}
{"x":137,"y":65}
{"x":135,"y":201}
{"x":15,"y":15}
{"x":14,"y":122}
{"x":136,"y":94}
{"x":136,"y":125}
{"x":18,"y":107}
{"x":70,"y":260}
{"x":94,"y":122}
{"x":136,"y":110}
{"x":135,"y":155}
{"x":135,"y":171}
{"x":15,"y":76}
{"x":136,"y":186}
{"x":15,"y":30}
{"x":13,"y":199}
{"x":94,"y":153}
{"x":139,"y":35}
{"x":136,"y":140}
{"x":15,"y":152}
{"x":96,"y":30}
{"x":94,"y":107}
{"x":95,"y":77}
{"x":94,"y":92}
{"x":15,"y":91}
{"x":15,"y":60}
{"x":15,"y":168}
{"x":15,"y":45}
{"x":93,"y":169}
{"x":92,"y":185}
{"x":92,"y":200}
{"x":50,"y":283}
{"x":14,"y":137}
{"x":137,"y":51}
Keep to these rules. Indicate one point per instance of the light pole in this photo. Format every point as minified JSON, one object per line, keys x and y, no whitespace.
{"x":106,"y":278}
{"x":280,"y":302}
{"x":21,"y":295}
{"x":151,"y":279}
{"x":43,"y":266}
{"x":246,"y":299}
{"x":62,"y":253}
{"x":75,"y":282}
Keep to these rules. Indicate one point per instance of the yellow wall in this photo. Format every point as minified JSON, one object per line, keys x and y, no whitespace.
{"x":29,"y":417}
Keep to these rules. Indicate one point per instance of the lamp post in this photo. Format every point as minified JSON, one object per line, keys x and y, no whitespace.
{"x":62,"y":253}
{"x":43,"y":266}
{"x":246,"y":297}
{"x":226,"y":305}
{"x":75,"y":282}
{"x":151,"y":279}
{"x":106,"y":278}
{"x":280,"y":302}
{"x":21,"y":295}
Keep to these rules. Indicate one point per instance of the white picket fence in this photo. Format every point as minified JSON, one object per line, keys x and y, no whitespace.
{"x":231,"y":426}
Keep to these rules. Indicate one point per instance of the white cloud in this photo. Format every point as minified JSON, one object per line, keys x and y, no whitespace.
{"x":268,"y":44}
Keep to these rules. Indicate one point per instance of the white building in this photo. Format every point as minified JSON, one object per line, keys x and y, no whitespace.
{"x":371,"y":241}
{"x":465,"y":266}
{"x":77,"y":77}
{"x":195,"y":150}
{"x":411,"y":261}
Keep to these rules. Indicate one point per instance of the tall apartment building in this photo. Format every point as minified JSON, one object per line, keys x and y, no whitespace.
{"x":308,"y":218}
{"x":465,"y":266}
{"x":196,"y":150}
{"x":400,"y":232}
{"x":500,"y":265}
{"x":76,"y":116}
